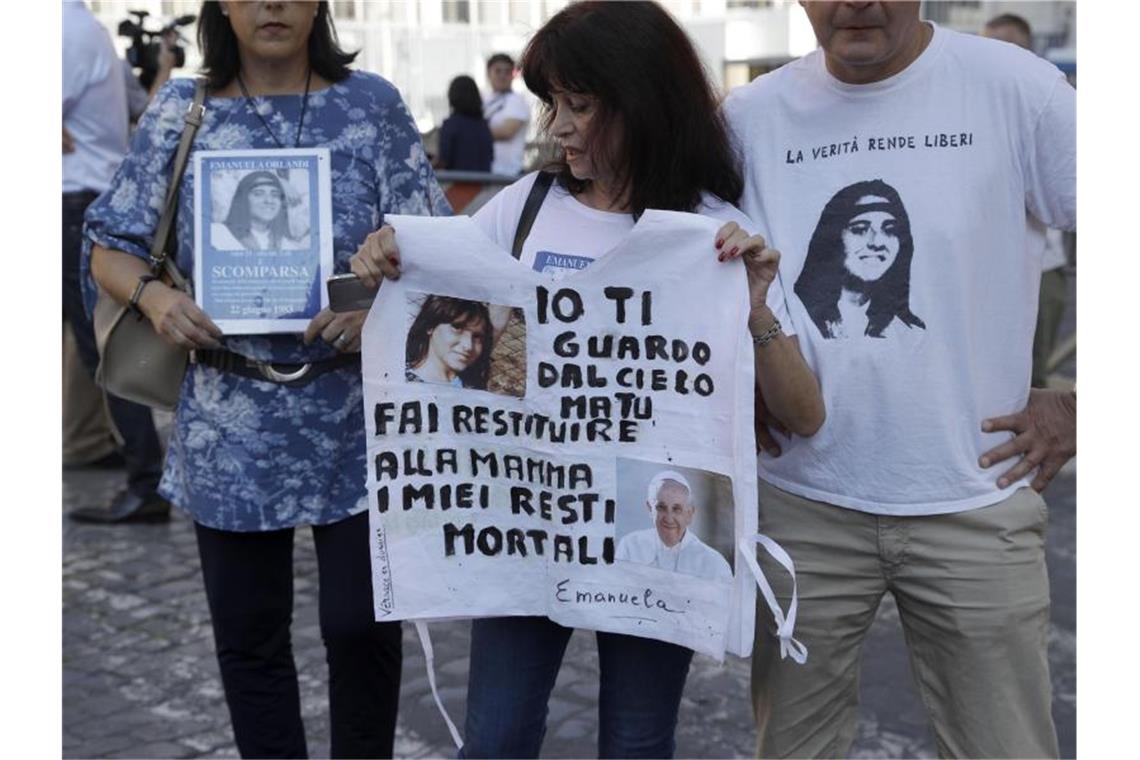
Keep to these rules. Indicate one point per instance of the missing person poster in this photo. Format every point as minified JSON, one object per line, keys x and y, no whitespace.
{"x":263,"y":238}
{"x":579,"y":448}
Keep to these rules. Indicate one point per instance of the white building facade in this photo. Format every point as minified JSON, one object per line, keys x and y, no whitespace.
{"x":420,"y":45}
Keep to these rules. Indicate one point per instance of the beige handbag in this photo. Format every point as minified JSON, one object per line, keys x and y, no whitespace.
{"x":135,"y":363}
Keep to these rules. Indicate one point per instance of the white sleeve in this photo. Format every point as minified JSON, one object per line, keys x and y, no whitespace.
{"x":1050,"y":160}
{"x":516,"y":108}
{"x":498,"y":218}
{"x":75,"y":74}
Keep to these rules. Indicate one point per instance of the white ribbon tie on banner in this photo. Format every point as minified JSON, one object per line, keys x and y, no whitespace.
{"x":429,"y":659}
{"x":785,"y":625}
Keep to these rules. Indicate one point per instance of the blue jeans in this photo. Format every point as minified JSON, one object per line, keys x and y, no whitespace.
{"x":514,"y":662}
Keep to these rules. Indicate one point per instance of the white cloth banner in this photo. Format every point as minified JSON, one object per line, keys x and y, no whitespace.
{"x":581,"y":449}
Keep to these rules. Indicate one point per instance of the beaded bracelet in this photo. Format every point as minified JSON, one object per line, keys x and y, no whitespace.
{"x":767,"y":336}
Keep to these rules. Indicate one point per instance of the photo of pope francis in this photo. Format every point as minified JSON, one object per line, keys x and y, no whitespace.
{"x":670,"y":544}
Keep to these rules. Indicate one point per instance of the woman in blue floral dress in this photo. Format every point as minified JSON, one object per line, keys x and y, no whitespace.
{"x":250,"y":459}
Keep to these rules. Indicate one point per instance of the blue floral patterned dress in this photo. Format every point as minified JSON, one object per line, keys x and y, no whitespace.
{"x":250,"y":455}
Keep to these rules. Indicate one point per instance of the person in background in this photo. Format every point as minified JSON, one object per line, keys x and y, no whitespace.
{"x":507,"y":115}
{"x":1009,"y":27}
{"x":465,"y":142}
{"x":94,"y":142}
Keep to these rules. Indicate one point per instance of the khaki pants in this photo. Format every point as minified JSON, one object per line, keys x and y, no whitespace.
{"x":973,"y":599}
{"x":87,"y":433}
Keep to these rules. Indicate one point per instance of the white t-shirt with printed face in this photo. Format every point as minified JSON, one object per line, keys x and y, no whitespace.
{"x":900,"y":208}
{"x":568,"y":235}
{"x":508,"y":154}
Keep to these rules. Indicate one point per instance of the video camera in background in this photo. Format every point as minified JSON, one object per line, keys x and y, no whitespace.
{"x":146,"y":45}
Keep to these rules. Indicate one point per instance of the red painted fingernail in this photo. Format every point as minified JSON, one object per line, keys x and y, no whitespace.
{"x":719,"y":242}
{"x":732,"y":252}
{"x":393,"y":261}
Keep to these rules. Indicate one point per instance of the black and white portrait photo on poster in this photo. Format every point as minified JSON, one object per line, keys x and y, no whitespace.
{"x":260,"y":210}
{"x":856,"y":277}
{"x":263,"y":244}
{"x":466,"y":344}
{"x":674,"y":518}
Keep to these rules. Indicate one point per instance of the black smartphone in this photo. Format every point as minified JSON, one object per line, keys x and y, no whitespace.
{"x":348,"y":293}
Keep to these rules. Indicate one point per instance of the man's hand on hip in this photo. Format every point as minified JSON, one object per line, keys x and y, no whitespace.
{"x":1045,"y":437}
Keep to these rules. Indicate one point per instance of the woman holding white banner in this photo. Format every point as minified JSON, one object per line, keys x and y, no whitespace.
{"x":269,"y":432}
{"x":628,"y":102}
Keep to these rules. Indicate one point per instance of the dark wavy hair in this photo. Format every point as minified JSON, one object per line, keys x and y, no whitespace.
{"x":237,"y":220}
{"x":651,"y":87}
{"x":219,"y":46}
{"x":464,"y":98}
{"x":825,"y":275}
{"x":457,"y":312}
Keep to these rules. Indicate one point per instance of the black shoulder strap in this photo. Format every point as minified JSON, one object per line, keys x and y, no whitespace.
{"x":533,"y":203}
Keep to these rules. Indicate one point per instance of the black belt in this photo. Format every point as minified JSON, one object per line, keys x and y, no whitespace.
{"x":274,"y":372}
{"x":79,"y":197}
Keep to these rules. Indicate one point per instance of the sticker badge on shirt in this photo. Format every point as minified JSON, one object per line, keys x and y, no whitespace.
{"x":549,"y":262}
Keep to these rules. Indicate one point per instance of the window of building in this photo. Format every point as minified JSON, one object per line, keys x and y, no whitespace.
{"x":457,"y":11}
{"x":490,"y":12}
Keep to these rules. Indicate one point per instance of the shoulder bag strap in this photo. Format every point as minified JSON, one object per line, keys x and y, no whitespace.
{"x":165,"y":231}
{"x":533,"y":203}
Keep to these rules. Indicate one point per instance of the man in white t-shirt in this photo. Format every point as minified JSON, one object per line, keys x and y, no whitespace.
{"x":1009,"y":27}
{"x":895,"y":169}
{"x":507,"y":114}
{"x":669,"y":544}
{"x":94,"y":142}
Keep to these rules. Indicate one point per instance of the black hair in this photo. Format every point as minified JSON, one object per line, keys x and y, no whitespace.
{"x":219,"y":46}
{"x":458,"y":312}
{"x":464,"y":98}
{"x":1012,"y":19}
{"x":650,"y":85}
{"x":237,"y":219}
{"x":825,"y":274}
{"x":500,"y":58}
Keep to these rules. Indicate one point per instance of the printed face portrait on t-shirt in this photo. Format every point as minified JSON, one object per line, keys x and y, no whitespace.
{"x":856,"y":277}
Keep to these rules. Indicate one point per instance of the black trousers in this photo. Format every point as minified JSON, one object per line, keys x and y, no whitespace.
{"x":249,"y":586}
{"x":142,"y":452}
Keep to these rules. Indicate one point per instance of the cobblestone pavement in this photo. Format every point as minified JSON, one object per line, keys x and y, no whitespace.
{"x":140,"y":679}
